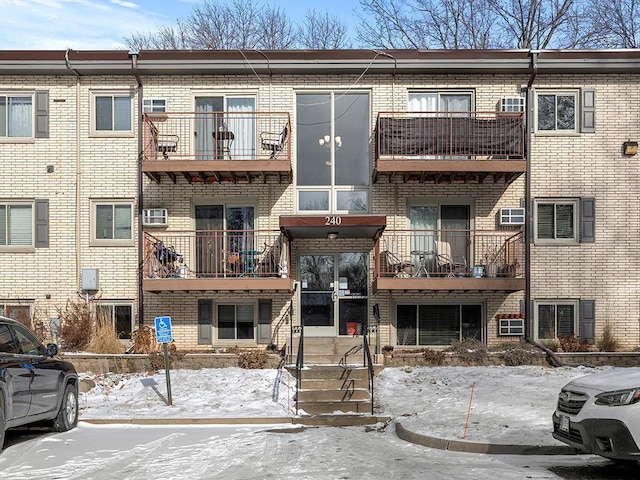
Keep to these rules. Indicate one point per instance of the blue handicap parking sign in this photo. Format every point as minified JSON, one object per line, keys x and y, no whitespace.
{"x":163,"y":330}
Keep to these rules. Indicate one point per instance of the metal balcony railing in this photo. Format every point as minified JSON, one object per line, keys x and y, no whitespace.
{"x":215,"y":254}
{"x":216,"y":136}
{"x":450,"y":253}
{"x":450,"y":135}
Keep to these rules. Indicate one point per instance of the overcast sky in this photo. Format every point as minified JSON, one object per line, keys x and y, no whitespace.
{"x":102,"y":24}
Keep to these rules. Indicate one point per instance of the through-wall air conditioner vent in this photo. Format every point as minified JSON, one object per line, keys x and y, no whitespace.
{"x":154,"y":217}
{"x":512,"y":216}
{"x":512,"y":104}
{"x":511,"y":327}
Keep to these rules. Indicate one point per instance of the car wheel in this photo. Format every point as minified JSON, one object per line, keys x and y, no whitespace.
{"x":67,"y":417}
{"x":1,"y":422}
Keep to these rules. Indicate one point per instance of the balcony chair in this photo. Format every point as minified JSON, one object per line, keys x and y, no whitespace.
{"x":164,"y":143}
{"x":170,"y":261}
{"x":446,"y":262}
{"x":396,"y":263}
{"x":274,"y":142}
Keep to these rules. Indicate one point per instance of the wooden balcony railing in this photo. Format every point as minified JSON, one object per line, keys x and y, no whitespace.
{"x":216,"y":254}
{"x":450,"y":254}
{"x":445,"y":145}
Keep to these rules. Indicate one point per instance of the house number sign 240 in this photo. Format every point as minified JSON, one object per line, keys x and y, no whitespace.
{"x":331,"y":221}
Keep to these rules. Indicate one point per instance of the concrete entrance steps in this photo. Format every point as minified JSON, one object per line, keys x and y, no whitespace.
{"x":334,"y":379}
{"x":331,"y":350}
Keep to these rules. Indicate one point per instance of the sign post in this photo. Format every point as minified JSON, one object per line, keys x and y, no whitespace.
{"x":164,"y":336}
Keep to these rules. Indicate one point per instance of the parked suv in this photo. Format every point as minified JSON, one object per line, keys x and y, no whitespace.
{"x":600,"y":414}
{"x":35,"y":385}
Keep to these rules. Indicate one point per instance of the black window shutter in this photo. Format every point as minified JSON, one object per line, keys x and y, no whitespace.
{"x":588,"y":110}
{"x":42,"y":114}
{"x":42,"y":223}
{"x":588,"y":215}
{"x":205,"y":320}
{"x":588,"y":320}
{"x":264,"y":321}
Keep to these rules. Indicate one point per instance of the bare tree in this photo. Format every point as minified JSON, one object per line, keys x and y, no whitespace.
{"x":278,"y":32}
{"x":611,"y":24}
{"x":323,"y":31}
{"x":465,"y":23}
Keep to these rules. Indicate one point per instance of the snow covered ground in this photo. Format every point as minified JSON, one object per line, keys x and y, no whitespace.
{"x":511,"y":405}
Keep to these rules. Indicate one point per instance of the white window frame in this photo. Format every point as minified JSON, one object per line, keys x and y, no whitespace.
{"x":111,"y":241}
{"x":7,"y":227}
{"x":556,"y":302}
{"x":555,"y":202}
{"x":31,"y":137}
{"x":111,"y":306}
{"x":577,"y":109}
{"x":154,"y":105}
{"x":112,"y":133}
{"x":235,"y":341}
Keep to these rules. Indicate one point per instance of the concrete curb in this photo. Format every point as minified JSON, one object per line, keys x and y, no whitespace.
{"x":479,"y":447}
{"x":314,"y":420}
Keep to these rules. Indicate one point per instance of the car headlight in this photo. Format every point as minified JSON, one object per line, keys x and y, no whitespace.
{"x":619,"y":397}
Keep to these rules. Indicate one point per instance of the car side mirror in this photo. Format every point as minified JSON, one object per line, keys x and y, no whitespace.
{"x":52,"y":349}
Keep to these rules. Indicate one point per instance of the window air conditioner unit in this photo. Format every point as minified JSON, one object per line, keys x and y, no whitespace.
{"x":512,"y":104}
{"x":154,"y":217}
{"x":512,"y":327}
{"x":512,"y":216}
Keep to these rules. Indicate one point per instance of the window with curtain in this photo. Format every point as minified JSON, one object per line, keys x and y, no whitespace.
{"x":120,"y":316}
{"x":113,"y":221}
{"x":16,"y":116}
{"x":438,"y":325}
{"x":556,"y":111}
{"x":556,"y":319}
{"x":112,"y":112}
{"x":236,"y":322}
{"x":556,"y":220}
{"x":16,"y":224}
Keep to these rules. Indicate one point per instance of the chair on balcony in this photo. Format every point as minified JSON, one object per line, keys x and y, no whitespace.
{"x":164,"y":143}
{"x":400,"y":266}
{"x":170,"y":261}
{"x":446,"y":262}
{"x":274,"y":142}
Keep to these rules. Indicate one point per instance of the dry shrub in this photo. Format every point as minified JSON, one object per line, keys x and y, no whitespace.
{"x":253,"y":359}
{"x":105,"y":339}
{"x":552,"y":344}
{"x":607,"y":342}
{"x":514,"y":354}
{"x":433,"y":357}
{"x":470,"y":351}
{"x":76,"y":325}
{"x":144,"y":340}
{"x":571,"y":343}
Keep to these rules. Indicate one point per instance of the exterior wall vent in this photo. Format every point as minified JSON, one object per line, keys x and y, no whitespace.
{"x":512,"y":104}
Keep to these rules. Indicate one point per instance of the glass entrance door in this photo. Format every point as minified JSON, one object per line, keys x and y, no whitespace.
{"x":333,"y":286}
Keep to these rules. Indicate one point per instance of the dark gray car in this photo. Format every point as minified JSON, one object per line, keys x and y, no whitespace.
{"x":36,"y":386}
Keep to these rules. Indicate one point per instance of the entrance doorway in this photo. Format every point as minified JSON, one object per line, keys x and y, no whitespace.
{"x":333,"y":293}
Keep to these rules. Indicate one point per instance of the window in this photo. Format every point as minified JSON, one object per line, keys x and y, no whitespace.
{"x":556,"y":220}
{"x":556,"y":111}
{"x":236,"y":322}
{"x":112,"y":113}
{"x":438,"y":325}
{"x":150,"y":105}
{"x":333,"y":171}
{"x":113,"y":222}
{"x":556,"y":319}
{"x":17,"y":311}
{"x":120,"y":315}
{"x":16,"y":224}
{"x":16,"y":115}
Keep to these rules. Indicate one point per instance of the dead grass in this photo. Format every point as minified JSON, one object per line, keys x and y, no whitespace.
{"x":105,"y":339}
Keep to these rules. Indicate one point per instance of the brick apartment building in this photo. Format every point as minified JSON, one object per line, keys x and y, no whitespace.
{"x":246,"y":193}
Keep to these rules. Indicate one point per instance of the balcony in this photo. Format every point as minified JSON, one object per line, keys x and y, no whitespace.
{"x":213,"y":147}
{"x":216,"y":260}
{"x":450,"y":147}
{"x":450,"y":260}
